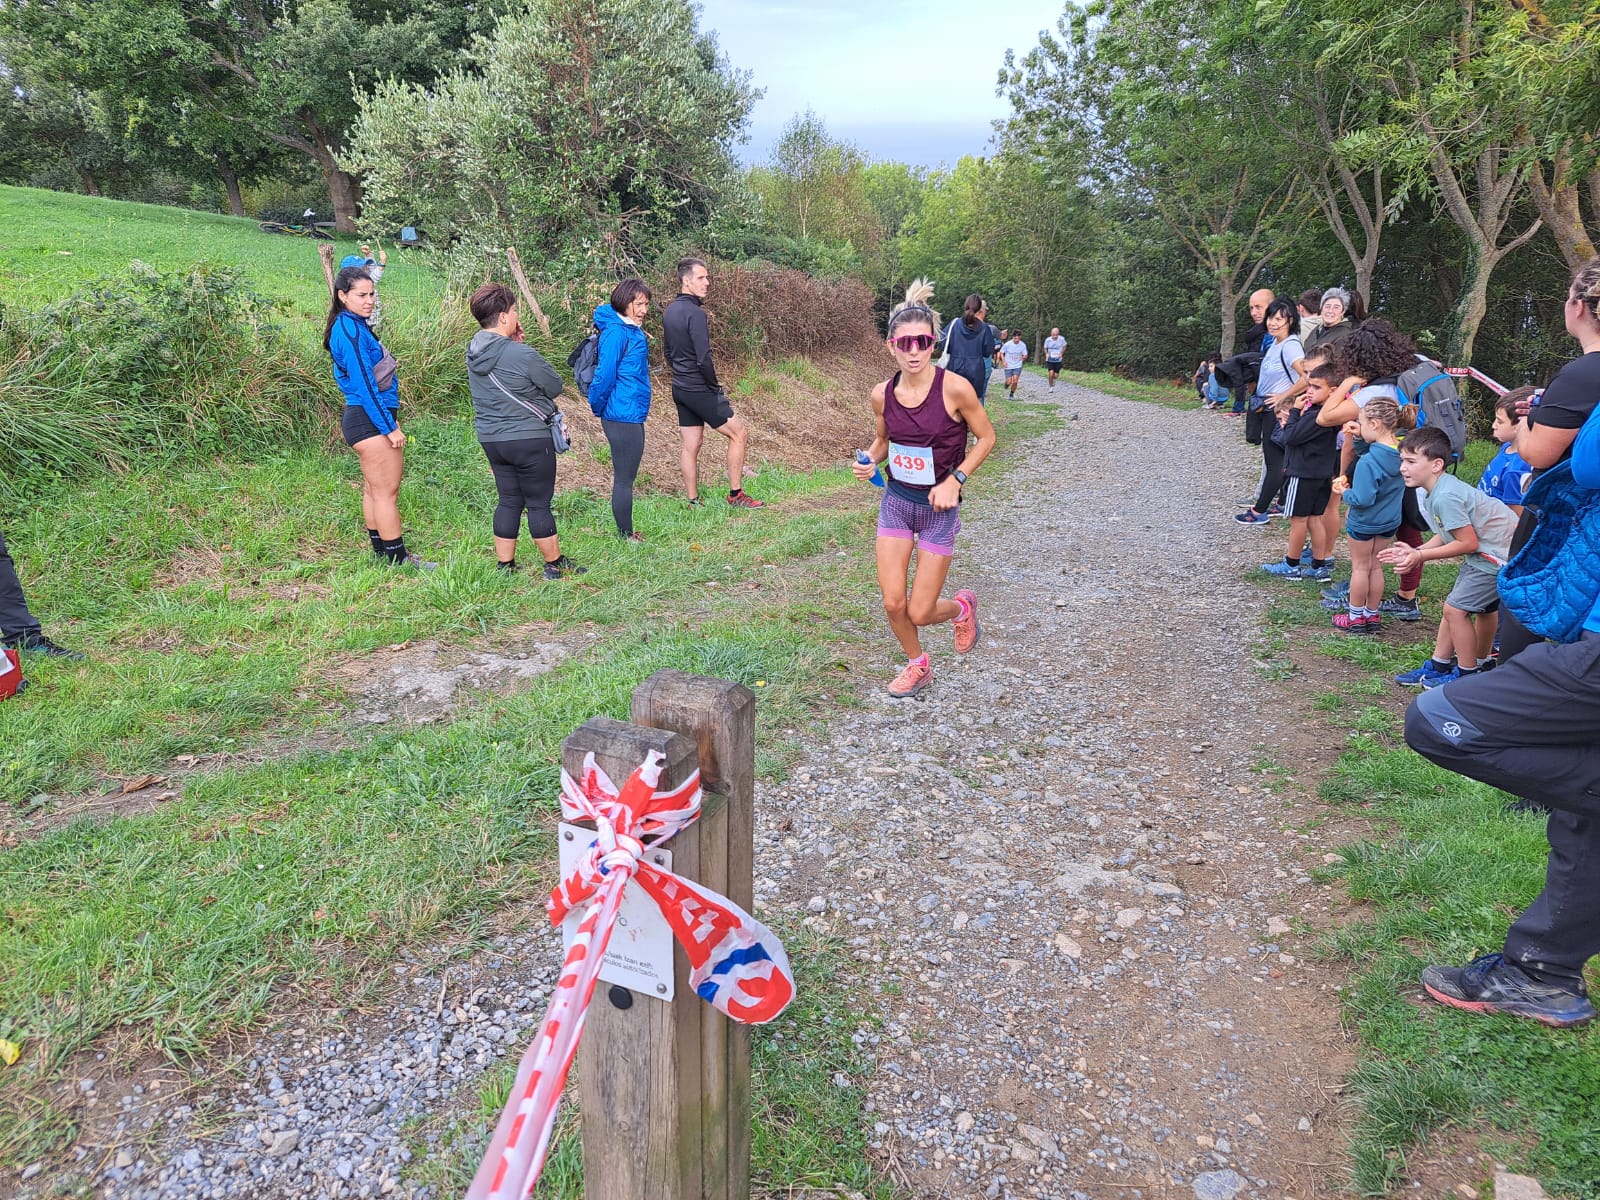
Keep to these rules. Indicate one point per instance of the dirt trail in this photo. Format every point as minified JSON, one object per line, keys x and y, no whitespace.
{"x":1079,"y":895}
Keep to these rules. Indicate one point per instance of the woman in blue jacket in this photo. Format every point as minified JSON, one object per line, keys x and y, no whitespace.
{"x":366,"y":374}
{"x":620,"y":392}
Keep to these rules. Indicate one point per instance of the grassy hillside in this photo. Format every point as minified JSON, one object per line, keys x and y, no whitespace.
{"x":53,"y":242}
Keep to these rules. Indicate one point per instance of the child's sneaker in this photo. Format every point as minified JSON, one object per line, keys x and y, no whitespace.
{"x":1339,"y":591}
{"x":1319,"y":574}
{"x":1334,"y":604}
{"x":1349,"y":623}
{"x":1492,"y":985}
{"x":1251,"y":517}
{"x":1281,"y":569}
{"x":915,"y":677}
{"x":1417,"y":676}
{"x":1274,"y":510}
{"x":1305,"y":557}
{"x":1405,"y":610}
{"x":1431,"y":681}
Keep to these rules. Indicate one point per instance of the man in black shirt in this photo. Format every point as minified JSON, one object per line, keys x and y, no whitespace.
{"x":695,"y":390}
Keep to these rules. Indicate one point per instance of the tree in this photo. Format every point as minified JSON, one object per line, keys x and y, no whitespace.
{"x":585,"y":131}
{"x":283,"y":70}
{"x":1142,"y":94}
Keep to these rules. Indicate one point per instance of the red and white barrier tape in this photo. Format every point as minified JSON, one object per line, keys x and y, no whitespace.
{"x":1474,"y":373}
{"x":736,"y":963}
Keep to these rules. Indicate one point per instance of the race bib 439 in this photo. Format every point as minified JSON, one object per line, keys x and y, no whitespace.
{"x":911,"y":464}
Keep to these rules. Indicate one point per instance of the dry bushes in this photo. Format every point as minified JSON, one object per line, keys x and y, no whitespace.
{"x":763,"y":311}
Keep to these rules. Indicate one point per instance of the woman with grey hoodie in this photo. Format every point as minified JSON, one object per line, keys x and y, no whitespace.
{"x":513,"y":404}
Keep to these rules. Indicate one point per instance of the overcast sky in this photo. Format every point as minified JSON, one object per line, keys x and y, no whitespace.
{"x":846,"y":59}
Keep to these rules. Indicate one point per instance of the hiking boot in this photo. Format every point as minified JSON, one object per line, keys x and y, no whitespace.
{"x":912,"y":680}
{"x":1417,"y":676}
{"x":1405,"y":610}
{"x":558,"y":568}
{"x":1492,"y":985}
{"x":37,"y":643}
{"x":741,"y":500}
{"x":1251,"y":517}
{"x":967,"y":628}
{"x":1281,"y":569}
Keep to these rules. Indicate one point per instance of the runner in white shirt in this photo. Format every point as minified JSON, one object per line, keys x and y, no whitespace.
{"x":1054,"y":347}
{"x":1013,"y":354}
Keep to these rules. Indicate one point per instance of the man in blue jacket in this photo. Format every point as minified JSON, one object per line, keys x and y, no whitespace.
{"x":695,"y":390}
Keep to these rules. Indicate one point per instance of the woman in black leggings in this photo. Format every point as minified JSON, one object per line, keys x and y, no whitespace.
{"x":513,"y":402}
{"x":620,"y":392}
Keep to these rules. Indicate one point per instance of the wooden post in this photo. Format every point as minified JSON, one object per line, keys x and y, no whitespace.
{"x":527,"y":292}
{"x":721,"y":718}
{"x":325,"y":252}
{"x":664,"y":1089}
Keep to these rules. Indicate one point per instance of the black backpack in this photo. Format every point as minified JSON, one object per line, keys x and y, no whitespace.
{"x":583,"y":360}
{"x":1438,"y":404}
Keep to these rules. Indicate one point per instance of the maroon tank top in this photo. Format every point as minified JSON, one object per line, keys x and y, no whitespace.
{"x":925,"y":443}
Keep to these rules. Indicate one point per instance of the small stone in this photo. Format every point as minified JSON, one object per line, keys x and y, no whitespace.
{"x":1467,"y":1190}
{"x":816,"y":904}
{"x":1127,"y":918}
{"x":1304,"y":1125}
{"x":1219,"y":1185}
{"x":1023,"y":1153}
{"x":124,"y":1159}
{"x":32,"y":1169}
{"x":283,"y":1143}
{"x":1068,"y":947}
{"x":1277,"y":927}
{"x":1205,"y":1141}
{"x":1039,"y":1138}
{"x":1517,"y":1187}
{"x":964,"y":1122}
{"x":1253,"y":1120}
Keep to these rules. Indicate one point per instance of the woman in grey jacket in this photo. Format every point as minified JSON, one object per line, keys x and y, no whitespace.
{"x":513,"y":402}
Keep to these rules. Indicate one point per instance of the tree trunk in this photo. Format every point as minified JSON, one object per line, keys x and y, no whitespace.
{"x":230,"y":183}
{"x":1228,"y":300}
{"x":91,"y":185}
{"x":1471,"y":306}
{"x":343,"y":188}
{"x":1558,"y":205}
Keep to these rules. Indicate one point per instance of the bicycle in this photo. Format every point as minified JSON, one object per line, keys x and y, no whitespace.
{"x":304,"y":228}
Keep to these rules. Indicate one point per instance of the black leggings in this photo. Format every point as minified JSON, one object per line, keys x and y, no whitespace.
{"x":627,"y":451}
{"x":525,"y":477}
{"x":1272,"y":480}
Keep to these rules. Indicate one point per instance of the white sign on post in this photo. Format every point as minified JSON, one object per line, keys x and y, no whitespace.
{"x":639,"y":955}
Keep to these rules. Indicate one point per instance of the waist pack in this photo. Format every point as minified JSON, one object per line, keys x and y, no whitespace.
{"x":1552,"y":584}
{"x":11,"y":681}
{"x":554,"y":419}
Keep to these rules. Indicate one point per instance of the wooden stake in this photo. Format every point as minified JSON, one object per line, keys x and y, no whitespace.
{"x":325,"y":250}
{"x":527,"y":297}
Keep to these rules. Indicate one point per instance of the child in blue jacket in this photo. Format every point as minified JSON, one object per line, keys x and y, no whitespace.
{"x":1374,"y":496}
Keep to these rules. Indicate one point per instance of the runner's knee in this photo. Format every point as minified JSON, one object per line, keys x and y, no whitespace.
{"x":1436,"y":730}
{"x":923,"y":612}
{"x":895,"y":606}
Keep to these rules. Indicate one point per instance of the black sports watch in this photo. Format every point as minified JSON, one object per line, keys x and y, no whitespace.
{"x":961,"y":476}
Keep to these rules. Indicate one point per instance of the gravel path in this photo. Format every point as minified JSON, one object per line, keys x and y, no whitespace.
{"x":1070,"y":888}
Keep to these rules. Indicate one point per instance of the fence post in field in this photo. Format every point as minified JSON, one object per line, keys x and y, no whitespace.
{"x":664,"y":1087}
{"x":325,"y":252}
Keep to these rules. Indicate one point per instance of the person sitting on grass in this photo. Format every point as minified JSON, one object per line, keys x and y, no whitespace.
{"x":1508,"y":474}
{"x":1374,"y":500}
{"x":1311,"y":453}
{"x":1468,"y":525}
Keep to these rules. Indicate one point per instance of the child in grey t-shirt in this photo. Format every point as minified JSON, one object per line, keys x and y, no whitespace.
{"x":1467,"y":525}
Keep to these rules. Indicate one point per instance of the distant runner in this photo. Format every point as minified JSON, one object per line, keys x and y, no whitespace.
{"x":1013,"y":354}
{"x":924,"y":416}
{"x":1054,"y":347}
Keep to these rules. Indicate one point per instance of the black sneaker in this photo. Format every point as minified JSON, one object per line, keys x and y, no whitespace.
{"x":1404,"y":610}
{"x":696,"y":502}
{"x":37,"y":643}
{"x":563,"y":566}
{"x":1492,"y":985}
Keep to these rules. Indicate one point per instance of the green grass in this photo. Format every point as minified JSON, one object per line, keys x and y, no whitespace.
{"x":1443,"y":875}
{"x":54,"y":242}
{"x":1158,"y":391}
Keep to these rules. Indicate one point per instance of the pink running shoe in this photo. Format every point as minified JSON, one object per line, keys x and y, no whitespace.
{"x":912,"y":680}
{"x":967,"y":628}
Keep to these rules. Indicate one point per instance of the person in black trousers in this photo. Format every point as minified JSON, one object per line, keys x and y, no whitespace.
{"x":513,"y":405}
{"x":19,"y":628}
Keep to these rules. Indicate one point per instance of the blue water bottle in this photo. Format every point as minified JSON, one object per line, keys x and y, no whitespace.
{"x":877,"y":475}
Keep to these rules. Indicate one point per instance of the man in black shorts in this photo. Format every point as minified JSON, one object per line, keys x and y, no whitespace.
{"x":695,"y":390}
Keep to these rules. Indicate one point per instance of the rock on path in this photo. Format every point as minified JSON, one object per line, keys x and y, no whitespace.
{"x":1070,"y":894}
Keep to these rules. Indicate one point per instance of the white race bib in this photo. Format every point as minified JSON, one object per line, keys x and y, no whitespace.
{"x":911,"y":464}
